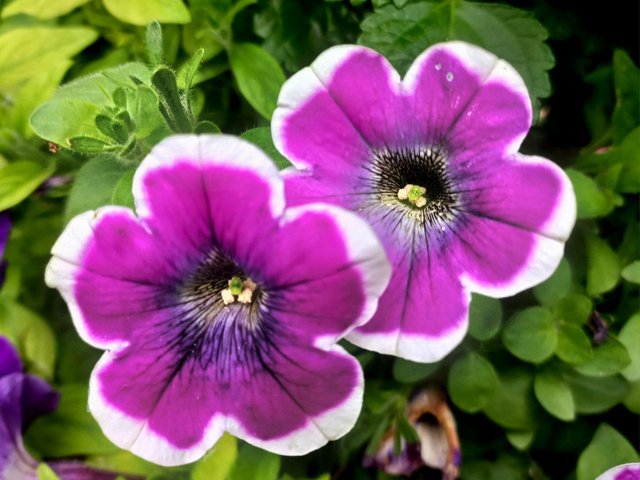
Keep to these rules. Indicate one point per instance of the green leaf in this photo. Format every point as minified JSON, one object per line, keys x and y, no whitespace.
{"x":512,"y":34}
{"x":254,"y":462}
{"x":94,"y":185}
{"x":261,"y":137}
{"x":31,"y":334}
{"x":596,"y":395}
{"x":632,"y":399}
{"x":608,"y":448}
{"x":472,"y":380}
{"x":574,"y":346}
{"x":554,"y":394}
{"x":520,"y":439}
{"x":155,"y":50}
{"x":187,"y":73}
{"x":631,"y":273}
{"x":591,"y":200}
{"x":206,"y":127}
{"x":630,"y":338}
{"x":608,"y":358}
{"x":217,"y":464}
{"x":41,"y":9}
{"x":556,"y":287}
{"x":531,"y":335}
{"x":45,"y":472}
{"x":485,"y":317}
{"x":511,"y":405}
{"x":70,"y":430}
{"x":626,"y":154}
{"x":143,"y":13}
{"x":574,"y":308}
{"x":19,"y":179}
{"x":626,"y":115}
{"x":123,"y":190}
{"x":173,"y":109}
{"x":603,"y":266}
{"x":405,"y":371}
{"x":258,"y":75}
{"x":25,"y":52}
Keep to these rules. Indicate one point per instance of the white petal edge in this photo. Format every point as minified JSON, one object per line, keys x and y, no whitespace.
{"x":365,"y":251}
{"x":134,"y":434}
{"x":612,"y":473}
{"x":544,"y":258}
{"x":208,"y":150}
{"x":563,"y":218}
{"x":66,"y":264}
{"x":485,"y":65}
{"x":301,"y":86}
{"x":416,"y":348}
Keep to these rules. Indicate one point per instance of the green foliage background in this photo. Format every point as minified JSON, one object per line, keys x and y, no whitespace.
{"x":534,"y":396}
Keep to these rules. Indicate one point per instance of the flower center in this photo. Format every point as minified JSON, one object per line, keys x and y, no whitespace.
{"x":415,"y":183}
{"x":239,"y":290}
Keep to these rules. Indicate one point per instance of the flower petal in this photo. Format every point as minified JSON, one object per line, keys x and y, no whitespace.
{"x":465,"y":96}
{"x":193,"y":189}
{"x":9,"y":359}
{"x":108,"y":267}
{"x":422,"y":315}
{"x":306,"y":398}
{"x":337,"y":288}
{"x":5,"y":229}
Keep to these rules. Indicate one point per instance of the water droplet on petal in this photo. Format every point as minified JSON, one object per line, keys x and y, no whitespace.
{"x":449,"y":76}
{"x":438,"y":66}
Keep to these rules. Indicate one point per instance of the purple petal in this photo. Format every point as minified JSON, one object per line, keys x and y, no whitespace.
{"x":5,"y":229}
{"x":9,"y":359}
{"x":422,"y":315}
{"x":335,"y":289}
{"x":628,"y":471}
{"x":467,"y":98}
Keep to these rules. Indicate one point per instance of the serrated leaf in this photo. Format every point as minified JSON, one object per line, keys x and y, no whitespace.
{"x":485,"y":317}
{"x":259,"y":76}
{"x":531,"y":335}
{"x":608,"y":448}
{"x":261,"y":137}
{"x":24,"y":52}
{"x":471,"y":382}
{"x":512,"y":34}
{"x":143,"y":13}
{"x":554,"y":394}
{"x":556,"y":287}
{"x":630,"y":338}
{"x":19,"y":179}
{"x":42,"y":9}
{"x":603,"y":266}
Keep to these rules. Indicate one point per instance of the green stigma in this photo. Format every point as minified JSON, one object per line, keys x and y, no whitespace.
{"x":235,"y":286}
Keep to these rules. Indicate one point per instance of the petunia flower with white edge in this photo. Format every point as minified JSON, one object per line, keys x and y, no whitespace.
{"x":431,"y":161}
{"x":628,"y":471}
{"x":219,"y":308}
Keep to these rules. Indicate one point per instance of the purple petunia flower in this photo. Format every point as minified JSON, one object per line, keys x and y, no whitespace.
{"x":628,"y":471}
{"x":5,"y":229}
{"x":22,"y":399}
{"x":432,"y":162}
{"x":219,"y":309}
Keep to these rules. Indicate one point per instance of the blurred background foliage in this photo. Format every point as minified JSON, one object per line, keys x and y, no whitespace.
{"x":546,"y":384}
